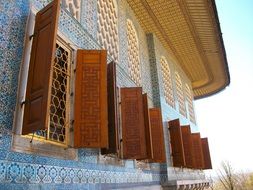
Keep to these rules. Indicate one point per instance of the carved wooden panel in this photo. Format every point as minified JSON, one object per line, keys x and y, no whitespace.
{"x":147,"y":127}
{"x":42,"y":55}
{"x":91,"y":119}
{"x":197,"y":151}
{"x":157,"y":135}
{"x":206,"y":154}
{"x":133,"y":129}
{"x":176,"y":142}
{"x":112,"y":110}
{"x":187,"y":142}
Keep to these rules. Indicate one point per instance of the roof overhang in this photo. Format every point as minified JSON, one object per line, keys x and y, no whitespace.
{"x":190,"y":31}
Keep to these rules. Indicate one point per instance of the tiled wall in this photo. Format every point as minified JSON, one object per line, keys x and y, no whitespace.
{"x":30,"y":171}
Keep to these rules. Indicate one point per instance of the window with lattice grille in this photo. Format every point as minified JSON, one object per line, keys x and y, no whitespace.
{"x":59,"y":103}
{"x":180,"y":94}
{"x":167,"y":83}
{"x":108,"y":27}
{"x":189,"y":100}
{"x":133,"y":53}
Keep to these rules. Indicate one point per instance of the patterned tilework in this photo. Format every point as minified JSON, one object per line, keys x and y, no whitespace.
{"x":153,"y":68}
{"x":125,"y":13}
{"x":156,"y":51}
{"x":88,"y":155}
{"x":73,"y":7}
{"x":167,"y":83}
{"x":189,"y":100}
{"x":31,"y":171}
{"x":107,"y":33}
{"x":17,"y":172}
{"x":180,"y":94}
{"x":12,"y":26}
{"x":88,"y":16}
{"x":133,"y":53}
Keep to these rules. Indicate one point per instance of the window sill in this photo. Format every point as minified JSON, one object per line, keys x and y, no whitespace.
{"x":42,"y":147}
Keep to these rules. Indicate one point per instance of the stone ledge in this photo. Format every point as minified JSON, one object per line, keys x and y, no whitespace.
{"x":186,"y":185}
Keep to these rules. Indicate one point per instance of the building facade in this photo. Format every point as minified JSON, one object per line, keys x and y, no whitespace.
{"x":172,"y":51}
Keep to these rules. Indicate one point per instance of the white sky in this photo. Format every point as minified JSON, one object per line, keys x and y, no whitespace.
{"x":227,"y":117}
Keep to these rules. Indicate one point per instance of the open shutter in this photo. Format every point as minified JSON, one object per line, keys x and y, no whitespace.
{"x":197,"y":151}
{"x":133,"y":129}
{"x":176,"y":143}
{"x":206,"y":154}
{"x":112,"y":110}
{"x":91,"y":123}
{"x":187,"y":142}
{"x":149,"y":147}
{"x":42,"y":55}
{"x":157,"y":135}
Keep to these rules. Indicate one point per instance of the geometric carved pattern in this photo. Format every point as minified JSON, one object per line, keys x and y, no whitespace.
{"x":157,"y":135}
{"x":59,"y":94}
{"x":73,"y":6}
{"x":176,"y":141}
{"x":180,"y":94}
{"x":206,"y":154}
{"x":189,"y":100}
{"x":108,"y":27}
{"x":133,"y":53}
{"x":56,"y":131}
{"x":187,"y":142}
{"x":198,"y":159}
{"x":133,"y":129}
{"x":167,"y":83}
{"x":90,"y":99}
{"x":91,"y":112}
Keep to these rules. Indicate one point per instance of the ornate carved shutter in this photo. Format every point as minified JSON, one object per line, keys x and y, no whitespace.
{"x":187,"y":142}
{"x":147,"y":127}
{"x":197,"y":151}
{"x":157,"y":135}
{"x":206,"y":154}
{"x":133,"y":129}
{"x":42,"y":55}
{"x":112,"y":110}
{"x":176,"y":143}
{"x":91,"y":121}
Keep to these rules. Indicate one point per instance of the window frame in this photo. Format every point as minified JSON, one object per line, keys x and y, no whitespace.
{"x":34,"y":145}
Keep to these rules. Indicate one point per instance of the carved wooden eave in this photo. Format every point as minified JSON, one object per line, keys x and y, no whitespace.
{"x":190,"y":31}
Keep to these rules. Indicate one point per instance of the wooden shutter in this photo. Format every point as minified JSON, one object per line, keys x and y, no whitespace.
{"x":176,"y":143}
{"x":133,"y":129}
{"x":206,"y":154}
{"x":197,"y":151}
{"x":157,"y":135}
{"x":149,"y":147}
{"x":112,"y":110}
{"x":42,"y":55}
{"x":187,"y":142}
{"x":91,"y":123}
